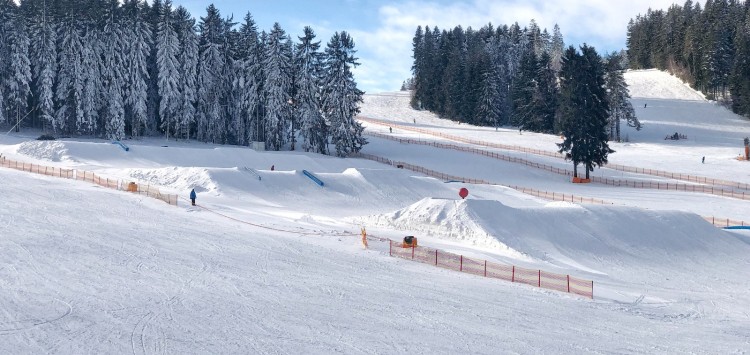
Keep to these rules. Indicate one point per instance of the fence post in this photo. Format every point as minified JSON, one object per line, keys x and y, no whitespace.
{"x":513,"y":275}
{"x":436,"y":257}
{"x":485,"y":268}
{"x":592,"y":289}
{"x":540,"y":279}
{"x":568,"y":283}
{"x":390,"y":247}
{"x":412,"y":252}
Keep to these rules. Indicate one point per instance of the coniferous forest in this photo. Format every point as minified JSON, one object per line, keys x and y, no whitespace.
{"x":707,"y":47}
{"x":506,"y":76}
{"x":121,"y":69}
{"x":526,"y":78}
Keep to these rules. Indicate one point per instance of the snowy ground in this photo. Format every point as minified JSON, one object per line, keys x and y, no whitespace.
{"x":88,"y":270}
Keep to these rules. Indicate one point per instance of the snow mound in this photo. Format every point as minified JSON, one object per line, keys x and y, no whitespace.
{"x":608,"y":240}
{"x":656,"y":84}
{"x":562,"y":204}
{"x":177,"y":178}
{"x":44,"y":150}
{"x":445,"y":219}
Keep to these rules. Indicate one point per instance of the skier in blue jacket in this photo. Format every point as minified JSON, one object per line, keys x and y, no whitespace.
{"x":192,"y":196}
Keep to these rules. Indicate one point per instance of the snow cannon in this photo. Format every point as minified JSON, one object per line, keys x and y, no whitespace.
{"x":409,"y":242}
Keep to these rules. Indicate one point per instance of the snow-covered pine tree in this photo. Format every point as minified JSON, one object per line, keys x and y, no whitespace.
{"x":556,"y":49}
{"x":88,"y":123}
{"x":44,"y":64}
{"x":307,"y":100}
{"x":211,"y":121}
{"x":152,"y":17}
{"x":245,"y":85}
{"x":138,"y":47}
{"x":619,"y":98}
{"x":6,"y":7}
{"x":278,"y":81}
{"x":19,"y":72}
{"x":70,"y":77}
{"x":167,"y":49}
{"x":188,"y":61}
{"x":341,"y":97}
{"x":113,"y":73}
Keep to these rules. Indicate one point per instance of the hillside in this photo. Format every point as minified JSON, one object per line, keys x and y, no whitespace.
{"x":276,"y":265}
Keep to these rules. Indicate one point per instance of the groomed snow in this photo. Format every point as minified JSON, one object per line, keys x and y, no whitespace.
{"x":279,"y":268}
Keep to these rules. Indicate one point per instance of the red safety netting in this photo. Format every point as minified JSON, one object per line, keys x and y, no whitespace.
{"x":537,"y":278}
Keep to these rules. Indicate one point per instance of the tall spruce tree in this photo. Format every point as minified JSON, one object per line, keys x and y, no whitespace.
{"x":313,"y":130}
{"x":19,"y":71}
{"x":619,"y":98}
{"x":211,"y":118}
{"x":168,"y":48}
{"x":44,"y":63}
{"x":583,"y":109}
{"x":188,"y":66}
{"x":138,"y":44}
{"x":342,"y":97}
{"x":278,"y":81}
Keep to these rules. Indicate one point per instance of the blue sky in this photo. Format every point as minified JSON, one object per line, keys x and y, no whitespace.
{"x":383,"y":29}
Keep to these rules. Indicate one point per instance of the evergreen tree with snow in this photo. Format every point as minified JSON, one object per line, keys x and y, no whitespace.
{"x":247,"y":83}
{"x":619,"y":98}
{"x":19,"y":71}
{"x":44,"y":63}
{"x":557,"y":46}
{"x":137,"y":34}
{"x":313,"y":128}
{"x":113,"y":74}
{"x":168,"y":47}
{"x":278,"y":81}
{"x":210,"y":115}
{"x":583,"y":109}
{"x":188,"y":66}
{"x":341,"y":95}
{"x":70,"y":77}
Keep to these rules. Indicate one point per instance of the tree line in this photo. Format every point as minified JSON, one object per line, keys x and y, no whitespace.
{"x":117,"y":69}
{"x":708,"y":47}
{"x":502,"y":76}
{"x":526,"y":78}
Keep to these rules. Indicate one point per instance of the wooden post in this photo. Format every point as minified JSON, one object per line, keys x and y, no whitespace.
{"x":513,"y":275}
{"x":568,"y":283}
{"x":412,"y":252}
{"x":539,"y":283}
{"x":436,"y":257}
{"x":485,"y":268}
{"x":390,"y":247}
{"x":461,"y":268}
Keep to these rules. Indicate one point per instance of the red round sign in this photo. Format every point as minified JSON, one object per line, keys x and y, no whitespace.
{"x":463,"y":192}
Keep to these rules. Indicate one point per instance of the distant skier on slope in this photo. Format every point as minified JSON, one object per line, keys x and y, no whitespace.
{"x":192,"y":196}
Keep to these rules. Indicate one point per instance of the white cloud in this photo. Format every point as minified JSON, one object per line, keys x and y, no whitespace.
{"x":386,"y":51}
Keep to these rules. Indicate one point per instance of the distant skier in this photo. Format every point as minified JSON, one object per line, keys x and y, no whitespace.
{"x":644,"y":105}
{"x":272,"y":167}
{"x":703,"y":160}
{"x":192,"y":196}
{"x":390,"y":129}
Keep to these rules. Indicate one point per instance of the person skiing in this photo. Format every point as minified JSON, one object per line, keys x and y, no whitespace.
{"x":192,"y":196}
{"x":272,"y":167}
{"x":703,"y":160}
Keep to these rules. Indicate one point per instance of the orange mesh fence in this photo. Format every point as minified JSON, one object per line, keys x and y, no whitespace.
{"x":653,"y":172}
{"x":88,"y":176}
{"x":456,"y":262}
{"x":562,"y":171}
{"x":554,"y":196}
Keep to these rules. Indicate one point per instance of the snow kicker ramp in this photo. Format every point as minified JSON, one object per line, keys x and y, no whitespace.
{"x":618,"y":243}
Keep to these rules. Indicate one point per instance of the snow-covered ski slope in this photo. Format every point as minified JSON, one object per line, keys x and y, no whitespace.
{"x":89,"y":270}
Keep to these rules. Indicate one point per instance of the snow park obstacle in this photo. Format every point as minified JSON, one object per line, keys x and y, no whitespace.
{"x":577,"y":180}
{"x":312,"y":177}
{"x":123,"y":146}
